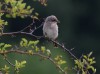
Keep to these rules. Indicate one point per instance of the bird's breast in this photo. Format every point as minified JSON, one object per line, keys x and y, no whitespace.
{"x":51,"y":31}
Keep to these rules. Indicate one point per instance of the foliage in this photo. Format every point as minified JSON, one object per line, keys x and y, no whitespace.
{"x":35,"y":50}
{"x":2,"y":22}
{"x":6,"y":69}
{"x":17,"y":8}
{"x":19,"y":65}
{"x":85,"y":64}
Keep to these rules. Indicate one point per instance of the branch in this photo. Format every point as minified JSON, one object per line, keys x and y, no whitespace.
{"x":29,"y":26}
{"x":37,"y":27}
{"x":3,"y":11}
{"x":64,"y":48}
{"x":21,"y":33}
{"x":9,"y":62}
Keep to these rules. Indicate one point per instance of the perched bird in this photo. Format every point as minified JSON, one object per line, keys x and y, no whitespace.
{"x":50,"y":27}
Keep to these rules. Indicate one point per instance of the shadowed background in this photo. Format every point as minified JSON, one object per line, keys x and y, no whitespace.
{"x":79,"y":27}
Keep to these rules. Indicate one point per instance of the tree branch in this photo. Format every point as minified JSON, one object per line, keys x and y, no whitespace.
{"x":29,"y":26}
{"x":38,"y":37}
{"x":21,"y":33}
{"x":9,"y":62}
{"x":64,"y":48}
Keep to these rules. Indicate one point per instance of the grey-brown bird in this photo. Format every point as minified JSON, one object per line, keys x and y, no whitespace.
{"x":50,"y":27}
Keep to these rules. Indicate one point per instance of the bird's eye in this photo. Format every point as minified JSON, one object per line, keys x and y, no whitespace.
{"x":53,"y":20}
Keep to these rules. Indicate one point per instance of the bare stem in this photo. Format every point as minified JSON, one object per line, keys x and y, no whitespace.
{"x":21,"y":33}
{"x":29,"y":26}
{"x":64,"y":48}
{"x":9,"y":62}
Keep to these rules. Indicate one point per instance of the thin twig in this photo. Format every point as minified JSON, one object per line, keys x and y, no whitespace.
{"x":38,"y":27}
{"x":9,"y":62}
{"x":2,"y":11}
{"x":23,"y":33}
{"x":52,"y":62}
{"x":65,"y":49}
{"x":27,"y":26}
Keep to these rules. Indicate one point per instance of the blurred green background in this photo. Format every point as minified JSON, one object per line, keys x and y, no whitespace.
{"x":79,"y":28}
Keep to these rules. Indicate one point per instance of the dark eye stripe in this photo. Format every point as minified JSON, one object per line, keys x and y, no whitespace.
{"x":53,"y":19}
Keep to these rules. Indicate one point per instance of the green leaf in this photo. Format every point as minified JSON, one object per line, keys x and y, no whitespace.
{"x":13,"y":3}
{"x":90,"y":54}
{"x":31,"y":43}
{"x":21,"y":43}
{"x":1,"y":14}
{"x":28,"y":7}
{"x":5,"y":68}
{"x":60,"y":62}
{"x":91,"y":67}
{"x":1,"y":44}
{"x":37,"y":14}
{"x":48,"y":52}
{"x":36,"y":42}
{"x":6,"y":46}
{"x":6,"y":1}
{"x":37,"y":49}
{"x":14,"y":15}
{"x":6,"y":23}
{"x":43,"y":49}
{"x":8,"y":15}
{"x":22,"y":6}
{"x":35,"y":17}
{"x":30,"y":52}
{"x":23,"y":62}
{"x":19,"y":65}
{"x":24,"y":42}
{"x":85,"y":56}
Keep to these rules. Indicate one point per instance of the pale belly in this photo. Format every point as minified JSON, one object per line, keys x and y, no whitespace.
{"x":51,"y":33}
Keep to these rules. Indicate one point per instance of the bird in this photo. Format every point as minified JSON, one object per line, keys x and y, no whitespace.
{"x":50,"y":28}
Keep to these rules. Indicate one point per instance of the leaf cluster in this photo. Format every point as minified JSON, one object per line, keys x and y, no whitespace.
{"x":85,"y":64}
{"x":2,"y":22}
{"x":4,"y":46}
{"x":17,"y":8}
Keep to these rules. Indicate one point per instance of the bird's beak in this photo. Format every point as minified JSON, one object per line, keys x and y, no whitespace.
{"x":58,"y":21}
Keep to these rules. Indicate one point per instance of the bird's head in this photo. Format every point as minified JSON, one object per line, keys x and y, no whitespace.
{"x":52,"y":19}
